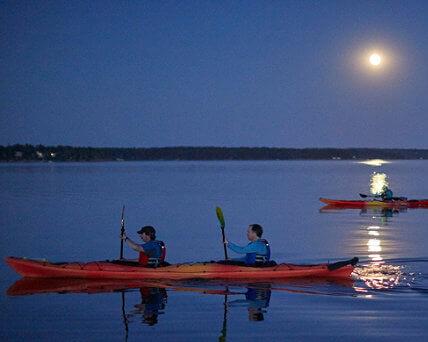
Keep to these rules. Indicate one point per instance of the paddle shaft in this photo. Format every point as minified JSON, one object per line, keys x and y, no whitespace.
{"x":122,"y":231}
{"x":224,"y":243}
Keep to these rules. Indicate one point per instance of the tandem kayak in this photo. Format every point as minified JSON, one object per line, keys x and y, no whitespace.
{"x":206,"y":270}
{"x":423,"y":203}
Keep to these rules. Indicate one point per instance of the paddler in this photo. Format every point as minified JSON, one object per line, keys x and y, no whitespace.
{"x":257,"y":252}
{"x":151,"y":252}
{"x":386,"y":194}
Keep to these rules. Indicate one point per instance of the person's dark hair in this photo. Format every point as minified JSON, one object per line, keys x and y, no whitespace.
{"x":148,"y":230}
{"x":258,"y":229}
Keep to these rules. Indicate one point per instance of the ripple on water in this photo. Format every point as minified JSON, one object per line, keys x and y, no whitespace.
{"x":392,"y":277}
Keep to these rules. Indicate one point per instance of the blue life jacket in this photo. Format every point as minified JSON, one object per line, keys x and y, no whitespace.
{"x":387,"y":195}
{"x":257,"y":258}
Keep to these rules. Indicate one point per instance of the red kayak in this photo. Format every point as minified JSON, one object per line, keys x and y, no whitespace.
{"x":376,"y":203}
{"x":207,"y":270}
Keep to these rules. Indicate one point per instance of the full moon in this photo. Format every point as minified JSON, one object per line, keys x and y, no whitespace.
{"x":375,"y":59}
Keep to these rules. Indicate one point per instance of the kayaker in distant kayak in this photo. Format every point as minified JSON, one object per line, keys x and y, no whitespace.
{"x":386,"y":194}
{"x":257,"y":252}
{"x":152,"y":251}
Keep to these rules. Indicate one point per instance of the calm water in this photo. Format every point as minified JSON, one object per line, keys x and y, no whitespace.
{"x":66,"y":212}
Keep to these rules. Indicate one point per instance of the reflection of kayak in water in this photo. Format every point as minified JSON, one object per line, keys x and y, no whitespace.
{"x":378,"y":211}
{"x":376,"y":203}
{"x":29,"y":286}
{"x":209,"y":270}
{"x":32,"y":286}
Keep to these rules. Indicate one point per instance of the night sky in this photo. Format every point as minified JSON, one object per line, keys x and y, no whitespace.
{"x":214,"y":73}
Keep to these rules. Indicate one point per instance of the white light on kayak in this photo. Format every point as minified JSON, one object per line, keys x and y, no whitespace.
{"x":377,"y":182}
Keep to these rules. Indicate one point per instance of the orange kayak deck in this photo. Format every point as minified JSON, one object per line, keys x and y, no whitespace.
{"x":207,"y":270}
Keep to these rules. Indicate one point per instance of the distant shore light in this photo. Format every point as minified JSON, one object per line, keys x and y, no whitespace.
{"x":374,"y":162}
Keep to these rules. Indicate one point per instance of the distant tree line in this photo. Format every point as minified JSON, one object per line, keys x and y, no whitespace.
{"x":69,"y":153}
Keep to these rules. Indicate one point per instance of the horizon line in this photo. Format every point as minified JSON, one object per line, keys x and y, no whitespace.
{"x":214,"y":146}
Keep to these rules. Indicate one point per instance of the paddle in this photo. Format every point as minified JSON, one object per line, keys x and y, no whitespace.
{"x":365,"y":196}
{"x":339,"y":264}
{"x":220,"y":217}
{"x":122,"y":231}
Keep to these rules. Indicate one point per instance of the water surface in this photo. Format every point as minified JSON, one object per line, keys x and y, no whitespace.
{"x":71,"y":211}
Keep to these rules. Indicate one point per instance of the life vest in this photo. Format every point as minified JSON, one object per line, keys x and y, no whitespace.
{"x":256,"y":258}
{"x":146,"y":260}
{"x":387,"y":195}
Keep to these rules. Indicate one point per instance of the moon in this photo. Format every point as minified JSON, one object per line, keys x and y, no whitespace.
{"x":375,"y":59}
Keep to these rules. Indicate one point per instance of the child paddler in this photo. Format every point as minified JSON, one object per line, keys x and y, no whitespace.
{"x":152,"y":252}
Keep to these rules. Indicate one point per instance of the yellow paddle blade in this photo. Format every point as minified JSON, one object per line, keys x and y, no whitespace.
{"x":220,"y":216}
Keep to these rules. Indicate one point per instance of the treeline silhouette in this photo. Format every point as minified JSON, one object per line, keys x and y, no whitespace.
{"x":70,"y":153}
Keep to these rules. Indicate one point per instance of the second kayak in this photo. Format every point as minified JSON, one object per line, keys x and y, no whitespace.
{"x":423,"y":203}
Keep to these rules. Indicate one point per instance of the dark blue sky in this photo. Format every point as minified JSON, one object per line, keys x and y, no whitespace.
{"x":223,"y":73}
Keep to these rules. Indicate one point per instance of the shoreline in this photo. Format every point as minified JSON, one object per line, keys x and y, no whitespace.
{"x":40,"y":153}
